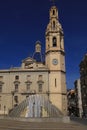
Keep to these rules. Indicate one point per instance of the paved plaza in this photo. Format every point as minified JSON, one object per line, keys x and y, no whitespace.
{"x":22,"y":125}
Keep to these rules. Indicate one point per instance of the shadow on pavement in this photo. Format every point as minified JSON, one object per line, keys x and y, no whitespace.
{"x":79,"y":120}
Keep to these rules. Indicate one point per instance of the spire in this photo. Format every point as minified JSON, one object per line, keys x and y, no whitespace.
{"x":54,"y":24}
{"x":54,"y":32}
{"x":54,"y":13}
{"x":38,"y":46}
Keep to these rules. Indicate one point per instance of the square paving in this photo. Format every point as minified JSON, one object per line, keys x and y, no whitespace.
{"x":22,"y":125}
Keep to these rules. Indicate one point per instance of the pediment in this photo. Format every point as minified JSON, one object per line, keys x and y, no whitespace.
{"x":28,"y":60}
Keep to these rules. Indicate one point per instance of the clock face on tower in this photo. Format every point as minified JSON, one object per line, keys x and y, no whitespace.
{"x":55,"y":61}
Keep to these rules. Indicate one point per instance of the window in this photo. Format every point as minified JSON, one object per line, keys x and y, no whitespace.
{"x":0,"y":98}
{"x":16,"y":87}
{"x":1,"y":78}
{"x":0,"y":106}
{"x":40,"y":87}
{"x":54,"y":42}
{"x":28,"y":87}
{"x":55,"y":83}
{"x":0,"y":88}
{"x":16,"y":99}
{"x":16,"y":77}
{"x":28,"y":77}
{"x":53,"y":24}
{"x":53,"y":12}
{"x":40,"y":77}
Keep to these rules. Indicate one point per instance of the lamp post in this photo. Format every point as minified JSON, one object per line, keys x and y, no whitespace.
{"x":34,"y":109}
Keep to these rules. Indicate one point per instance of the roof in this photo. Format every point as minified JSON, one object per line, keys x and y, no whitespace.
{"x":38,"y":42}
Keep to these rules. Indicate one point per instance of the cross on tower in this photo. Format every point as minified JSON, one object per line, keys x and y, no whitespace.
{"x":53,"y":1}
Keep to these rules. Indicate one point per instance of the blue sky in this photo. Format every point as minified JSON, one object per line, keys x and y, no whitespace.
{"x":23,"y":22}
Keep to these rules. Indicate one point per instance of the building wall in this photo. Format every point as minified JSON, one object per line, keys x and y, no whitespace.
{"x":6,"y":96}
{"x":78,"y":96}
{"x":83,"y":79}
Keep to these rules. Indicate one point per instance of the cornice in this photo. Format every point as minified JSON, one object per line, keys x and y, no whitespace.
{"x":24,"y":70}
{"x":50,"y":51}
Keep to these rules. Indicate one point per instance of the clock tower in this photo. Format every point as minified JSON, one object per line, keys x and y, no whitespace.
{"x":55,"y":61}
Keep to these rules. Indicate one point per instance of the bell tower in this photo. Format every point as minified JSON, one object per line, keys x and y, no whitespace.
{"x":55,"y":61}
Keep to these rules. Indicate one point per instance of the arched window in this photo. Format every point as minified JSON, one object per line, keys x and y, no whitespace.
{"x":40,"y":88}
{"x":53,"y":12}
{"x":16,"y":87}
{"x":53,"y":24}
{"x":27,"y":87}
{"x":54,"y":42}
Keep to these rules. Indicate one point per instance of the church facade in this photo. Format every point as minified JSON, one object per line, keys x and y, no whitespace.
{"x":34,"y":77}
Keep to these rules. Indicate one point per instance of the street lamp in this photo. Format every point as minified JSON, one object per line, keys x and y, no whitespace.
{"x":34,"y":109}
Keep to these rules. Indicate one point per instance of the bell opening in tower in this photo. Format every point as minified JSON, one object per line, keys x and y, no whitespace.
{"x":53,"y":12}
{"x":54,"y":42}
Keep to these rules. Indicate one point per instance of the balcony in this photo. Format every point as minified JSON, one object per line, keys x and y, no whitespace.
{"x":32,"y":92}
